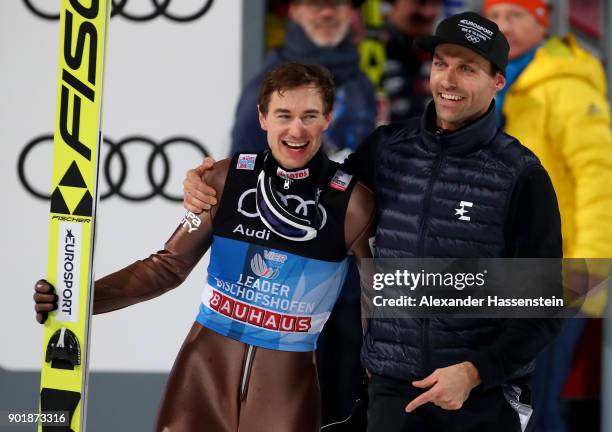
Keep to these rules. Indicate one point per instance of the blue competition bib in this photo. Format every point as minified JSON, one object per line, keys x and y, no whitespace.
{"x":267,"y":297}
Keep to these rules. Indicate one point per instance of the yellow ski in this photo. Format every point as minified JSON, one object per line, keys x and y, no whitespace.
{"x":77,"y":136}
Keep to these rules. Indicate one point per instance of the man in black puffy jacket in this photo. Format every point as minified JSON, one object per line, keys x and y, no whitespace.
{"x":453,"y":374}
{"x":465,"y":368}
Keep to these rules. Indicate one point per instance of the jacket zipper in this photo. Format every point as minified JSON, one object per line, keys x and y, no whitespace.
{"x":425,"y":322}
{"x":427,"y":204}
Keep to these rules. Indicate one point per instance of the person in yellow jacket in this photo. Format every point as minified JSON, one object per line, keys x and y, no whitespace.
{"x":555,"y":103}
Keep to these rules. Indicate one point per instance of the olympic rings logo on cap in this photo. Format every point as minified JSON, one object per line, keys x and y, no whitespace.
{"x":160,"y":8}
{"x":116,"y":183}
{"x":472,"y":38}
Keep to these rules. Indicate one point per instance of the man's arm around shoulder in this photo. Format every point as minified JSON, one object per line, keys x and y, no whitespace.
{"x":359,"y":224}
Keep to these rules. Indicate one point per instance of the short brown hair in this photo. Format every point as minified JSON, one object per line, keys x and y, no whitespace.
{"x":288,"y":76}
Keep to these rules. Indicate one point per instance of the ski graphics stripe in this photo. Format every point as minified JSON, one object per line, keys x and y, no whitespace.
{"x":76,"y":143}
{"x":371,"y":49}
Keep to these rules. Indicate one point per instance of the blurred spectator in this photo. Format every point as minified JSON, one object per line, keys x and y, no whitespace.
{"x":555,"y":103}
{"x":405,"y":81}
{"x":406,"y":76}
{"x":319,"y":32}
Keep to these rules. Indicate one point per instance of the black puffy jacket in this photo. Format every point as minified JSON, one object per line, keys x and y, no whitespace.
{"x":421,"y":175}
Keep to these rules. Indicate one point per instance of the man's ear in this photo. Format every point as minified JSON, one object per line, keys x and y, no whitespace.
{"x":500,"y":81}
{"x":263,"y":122}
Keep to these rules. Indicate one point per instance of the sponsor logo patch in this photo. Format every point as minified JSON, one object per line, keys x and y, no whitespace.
{"x":292,"y":175}
{"x":269,"y":265}
{"x":246,"y":162}
{"x":475,"y":33}
{"x":191,"y":221}
{"x":461,"y":210}
{"x":68,"y":271}
{"x":258,"y":317}
{"x":297,"y":205}
{"x":340,"y":181}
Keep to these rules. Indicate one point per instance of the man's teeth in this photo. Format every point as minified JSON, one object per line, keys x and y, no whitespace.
{"x":296,"y":145}
{"x":450,"y":96}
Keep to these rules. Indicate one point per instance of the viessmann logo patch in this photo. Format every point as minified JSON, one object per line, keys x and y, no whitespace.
{"x":269,"y":265}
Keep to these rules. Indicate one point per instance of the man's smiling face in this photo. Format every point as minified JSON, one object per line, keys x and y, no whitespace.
{"x":462,"y":85}
{"x":295,"y":122}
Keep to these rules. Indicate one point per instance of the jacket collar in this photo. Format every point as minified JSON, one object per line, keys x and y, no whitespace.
{"x":312,"y":174}
{"x":466,"y":139}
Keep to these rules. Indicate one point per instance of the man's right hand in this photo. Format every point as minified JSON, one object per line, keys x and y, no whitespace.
{"x":198,"y":196}
{"x":45,"y":299}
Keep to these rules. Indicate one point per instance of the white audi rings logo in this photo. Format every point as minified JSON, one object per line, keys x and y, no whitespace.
{"x":115,"y":169}
{"x":154,"y":9}
{"x":302,"y":206}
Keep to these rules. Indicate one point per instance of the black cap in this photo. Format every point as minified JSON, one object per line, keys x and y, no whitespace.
{"x":472,"y":31}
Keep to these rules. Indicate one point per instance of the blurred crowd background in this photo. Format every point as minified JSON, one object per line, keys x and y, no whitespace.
{"x":185,"y":67}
